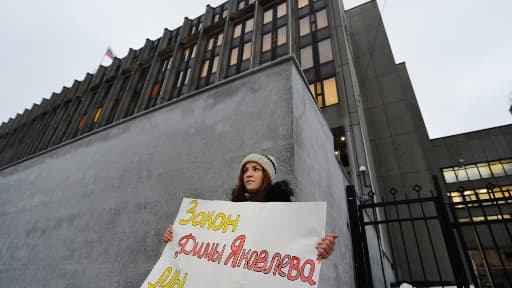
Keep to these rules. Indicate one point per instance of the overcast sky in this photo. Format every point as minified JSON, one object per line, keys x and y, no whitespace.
{"x":458,"y":52}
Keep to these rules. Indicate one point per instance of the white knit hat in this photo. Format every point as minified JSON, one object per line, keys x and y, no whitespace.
{"x":266,"y":161}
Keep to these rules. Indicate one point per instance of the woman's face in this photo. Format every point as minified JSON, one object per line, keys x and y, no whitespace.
{"x":253,"y":176}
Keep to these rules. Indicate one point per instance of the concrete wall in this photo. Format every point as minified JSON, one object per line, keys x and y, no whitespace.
{"x":91,"y":212}
{"x":397,"y":133}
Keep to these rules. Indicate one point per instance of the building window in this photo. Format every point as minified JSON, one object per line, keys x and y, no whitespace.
{"x":340,"y":145}
{"x":302,"y":3}
{"x":209,"y":62}
{"x":306,"y":57}
{"x":82,"y":121}
{"x":313,"y":22}
{"x":304,"y":26}
{"x":181,"y":83}
{"x":98,"y":114}
{"x":472,"y":197}
{"x":325,"y":51}
{"x":241,"y":47}
{"x":233,"y":59}
{"x":274,"y":32}
{"x":478,"y":171}
{"x":325,"y":92}
{"x":321,"y":19}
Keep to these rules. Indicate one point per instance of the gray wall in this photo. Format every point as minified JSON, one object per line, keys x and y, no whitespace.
{"x":91,"y":212}
{"x":478,"y":146}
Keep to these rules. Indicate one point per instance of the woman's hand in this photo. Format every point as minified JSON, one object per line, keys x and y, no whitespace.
{"x":326,"y":246}
{"x":168,"y":234}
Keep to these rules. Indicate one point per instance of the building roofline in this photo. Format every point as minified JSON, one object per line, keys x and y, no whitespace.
{"x":472,"y":132}
{"x":360,"y":5}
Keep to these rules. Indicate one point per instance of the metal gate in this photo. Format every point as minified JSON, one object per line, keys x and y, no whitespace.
{"x":483,"y":220}
{"x":414,"y":233}
{"x":430,"y":242}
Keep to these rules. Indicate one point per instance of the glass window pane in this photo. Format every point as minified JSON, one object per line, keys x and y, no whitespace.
{"x":187,"y":77}
{"x":267,"y":16}
{"x":241,"y":5}
{"x":320,"y":101}
{"x":484,"y":170}
{"x":507,"y":165}
{"x":449,"y":175}
{"x":249,"y":25}
{"x":312,"y":88}
{"x":321,"y":19}
{"x":98,"y":114}
{"x":281,"y":10}
{"x":304,"y":27}
{"x":319,"y":89}
{"x":185,"y":52}
{"x":472,"y":172}
{"x":234,"y":56}
{"x":267,"y":40}
{"x":325,"y":51}
{"x":247,"y":51}
{"x":497,"y":169}
{"x":461,"y":174}
{"x":219,"y":39}
{"x":330,"y":93}
{"x":302,"y":3}
{"x":237,"y":31}
{"x":204,"y":68}
{"x":281,"y":36}
{"x":306,"y":57}
{"x":215,"y":64}
{"x":194,"y":50}
{"x":179,"y":79}
{"x":209,"y":44}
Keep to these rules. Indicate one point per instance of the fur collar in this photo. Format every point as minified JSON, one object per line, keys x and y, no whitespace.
{"x":279,"y":192}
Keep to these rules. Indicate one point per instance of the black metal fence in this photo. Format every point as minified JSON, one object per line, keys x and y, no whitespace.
{"x":419,"y":238}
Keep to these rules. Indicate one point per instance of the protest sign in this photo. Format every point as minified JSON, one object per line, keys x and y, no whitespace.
{"x":241,"y":244}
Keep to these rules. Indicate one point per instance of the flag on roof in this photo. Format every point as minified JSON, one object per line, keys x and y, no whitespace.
{"x":110,"y":54}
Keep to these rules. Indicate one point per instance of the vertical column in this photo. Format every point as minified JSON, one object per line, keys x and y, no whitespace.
{"x":75,"y":120}
{"x":256,"y":36}
{"x":54,"y":125}
{"x":150,"y":78}
{"x":32,"y":131}
{"x":228,"y":37}
{"x":63,"y":125}
{"x":166,"y":92}
{"x":52,"y":109}
{"x":18,"y":136}
{"x":109,"y":108}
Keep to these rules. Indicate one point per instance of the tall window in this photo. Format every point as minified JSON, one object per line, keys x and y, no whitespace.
{"x":134,"y":99}
{"x":274,"y":33}
{"x":210,"y":61}
{"x":241,"y":47}
{"x":244,"y":4}
{"x":220,"y":12}
{"x":315,"y":53}
{"x":183,"y":73}
{"x":325,"y":92}
{"x":156,"y":88}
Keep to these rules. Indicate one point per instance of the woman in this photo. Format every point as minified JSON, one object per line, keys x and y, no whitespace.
{"x":256,"y":182}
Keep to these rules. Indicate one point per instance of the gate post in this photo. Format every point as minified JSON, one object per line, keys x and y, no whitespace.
{"x":459,"y":272}
{"x":362,"y":270}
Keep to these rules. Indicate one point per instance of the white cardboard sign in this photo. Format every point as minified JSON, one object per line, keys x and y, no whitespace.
{"x":241,"y":244}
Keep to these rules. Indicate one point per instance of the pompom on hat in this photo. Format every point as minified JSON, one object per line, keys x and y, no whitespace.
{"x":266,"y":161}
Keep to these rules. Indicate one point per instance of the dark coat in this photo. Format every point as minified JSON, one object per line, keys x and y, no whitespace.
{"x":279,"y":192}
